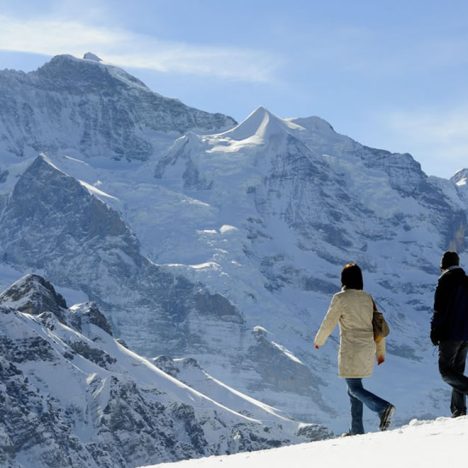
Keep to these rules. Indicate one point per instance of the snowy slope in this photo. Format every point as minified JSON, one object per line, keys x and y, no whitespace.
{"x":74,"y":396}
{"x":429,"y":444}
{"x":259,"y":219}
{"x":189,"y":371}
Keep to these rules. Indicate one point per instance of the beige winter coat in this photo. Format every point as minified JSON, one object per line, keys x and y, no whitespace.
{"x":353,"y":310}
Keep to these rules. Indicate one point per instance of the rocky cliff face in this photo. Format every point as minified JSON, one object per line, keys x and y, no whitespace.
{"x":82,"y":106}
{"x":52,"y":223}
{"x":71,"y":396}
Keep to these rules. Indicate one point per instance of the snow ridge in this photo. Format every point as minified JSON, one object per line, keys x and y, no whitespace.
{"x":72,"y":395}
{"x":260,"y":125}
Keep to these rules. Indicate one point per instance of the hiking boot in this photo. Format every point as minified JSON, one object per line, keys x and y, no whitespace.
{"x":458,"y":413}
{"x":386,"y":417}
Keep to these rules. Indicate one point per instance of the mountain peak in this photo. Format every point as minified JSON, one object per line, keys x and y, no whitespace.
{"x":461,"y":178}
{"x":260,"y":124}
{"x":42,"y":167}
{"x":33,"y":294}
{"x":89,"y":71}
{"x":43,"y":161}
{"x":94,"y":109}
{"x":313,"y":123}
{"x":91,"y":56}
{"x":46,"y":199}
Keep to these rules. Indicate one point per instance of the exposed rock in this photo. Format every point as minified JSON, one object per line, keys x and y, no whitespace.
{"x":86,"y":106}
{"x":70,"y":401}
{"x":33,"y":294}
{"x":89,"y":313}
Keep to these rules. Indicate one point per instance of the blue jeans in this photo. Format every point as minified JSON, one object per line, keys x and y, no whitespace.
{"x":359,"y":396}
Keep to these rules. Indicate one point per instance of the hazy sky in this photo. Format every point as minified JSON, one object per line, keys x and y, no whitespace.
{"x":390,"y":74}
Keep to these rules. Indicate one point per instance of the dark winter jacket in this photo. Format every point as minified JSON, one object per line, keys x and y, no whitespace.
{"x":450,"y":319}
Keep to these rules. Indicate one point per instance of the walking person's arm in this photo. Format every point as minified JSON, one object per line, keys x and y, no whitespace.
{"x":329,"y":323}
{"x":380,"y":350}
{"x":439,"y":315}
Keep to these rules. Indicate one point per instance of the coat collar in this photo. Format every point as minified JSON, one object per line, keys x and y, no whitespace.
{"x":452,"y":268}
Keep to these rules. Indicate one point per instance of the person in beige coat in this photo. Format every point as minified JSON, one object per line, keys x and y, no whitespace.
{"x":352,"y":309}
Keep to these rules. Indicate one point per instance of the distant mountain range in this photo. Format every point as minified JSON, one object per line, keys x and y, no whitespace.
{"x":200,"y":238}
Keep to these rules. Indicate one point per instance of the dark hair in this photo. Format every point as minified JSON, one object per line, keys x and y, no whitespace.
{"x":449,"y":259}
{"x":351,"y":277}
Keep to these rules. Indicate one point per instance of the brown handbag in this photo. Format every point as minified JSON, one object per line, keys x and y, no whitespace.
{"x":379,"y":324}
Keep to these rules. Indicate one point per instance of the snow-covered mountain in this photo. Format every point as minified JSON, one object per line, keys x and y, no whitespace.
{"x":52,"y":223}
{"x":73,"y":396}
{"x":226,"y":249}
{"x":88,"y":108}
{"x":422,"y":443}
{"x":294,"y":202}
{"x":460,"y":179}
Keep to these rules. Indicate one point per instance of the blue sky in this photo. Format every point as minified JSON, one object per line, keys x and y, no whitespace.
{"x":390,"y":74}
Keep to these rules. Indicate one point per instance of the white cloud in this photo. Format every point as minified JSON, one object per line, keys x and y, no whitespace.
{"x":50,"y":36}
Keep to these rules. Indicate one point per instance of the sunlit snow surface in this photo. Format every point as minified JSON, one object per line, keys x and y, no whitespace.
{"x":428,"y":444}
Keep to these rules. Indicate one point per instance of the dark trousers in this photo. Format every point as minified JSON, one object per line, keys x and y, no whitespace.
{"x":359,"y":396}
{"x":452,"y":359}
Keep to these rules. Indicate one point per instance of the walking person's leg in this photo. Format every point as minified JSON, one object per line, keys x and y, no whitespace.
{"x":458,"y":403}
{"x":451,"y":367}
{"x":380,"y":406}
{"x":357,"y":409}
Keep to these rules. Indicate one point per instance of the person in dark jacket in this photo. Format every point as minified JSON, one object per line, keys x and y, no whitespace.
{"x":449,"y":329}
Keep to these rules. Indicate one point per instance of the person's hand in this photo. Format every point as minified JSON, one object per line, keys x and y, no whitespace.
{"x":316,"y":346}
{"x":380,"y":360}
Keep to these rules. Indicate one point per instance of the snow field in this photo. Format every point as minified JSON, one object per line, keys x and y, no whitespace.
{"x":439,"y":443}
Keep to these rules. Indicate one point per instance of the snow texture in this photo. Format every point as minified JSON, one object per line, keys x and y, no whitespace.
{"x":73,"y":396}
{"x":429,"y":444}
